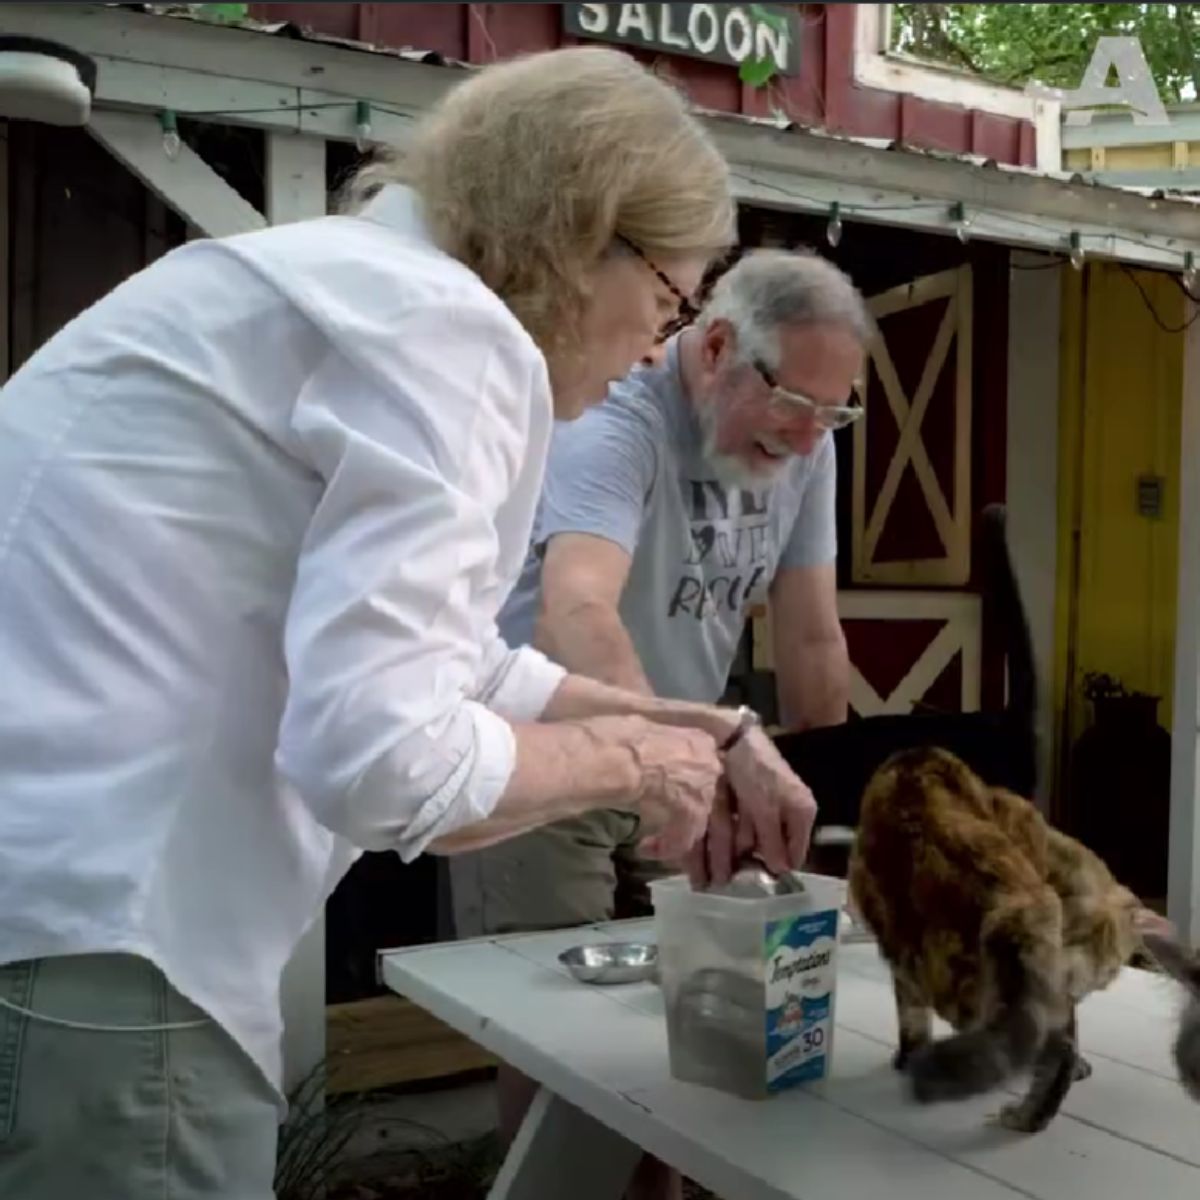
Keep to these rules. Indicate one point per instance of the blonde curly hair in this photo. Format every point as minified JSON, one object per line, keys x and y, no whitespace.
{"x":529,"y":169}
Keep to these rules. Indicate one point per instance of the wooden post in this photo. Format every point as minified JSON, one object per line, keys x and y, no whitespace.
{"x":1183,"y":885}
{"x":295,"y":190}
{"x":1034,"y":303}
{"x":295,"y":183}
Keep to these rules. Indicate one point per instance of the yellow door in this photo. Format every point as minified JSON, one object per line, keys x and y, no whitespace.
{"x":1118,"y":459}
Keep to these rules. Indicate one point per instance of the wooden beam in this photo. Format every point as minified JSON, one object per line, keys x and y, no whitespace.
{"x":187,"y":183}
{"x":1180,"y":178}
{"x":388,"y":1040}
{"x":247,"y":102}
{"x":5,"y":265}
{"x":1183,"y":886}
{"x":295,"y":184}
{"x":1034,"y":340}
{"x":302,"y":1005}
{"x":1118,"y":129}
{"x":295,"y":191}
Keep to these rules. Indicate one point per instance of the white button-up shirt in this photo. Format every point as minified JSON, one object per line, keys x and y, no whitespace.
{"x":258,"y":509}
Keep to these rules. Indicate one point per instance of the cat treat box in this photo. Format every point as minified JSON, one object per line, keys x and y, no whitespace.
{"x":749,"y":979}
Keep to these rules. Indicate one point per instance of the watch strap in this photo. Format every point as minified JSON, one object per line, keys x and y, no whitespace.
{"x":747,"y":720}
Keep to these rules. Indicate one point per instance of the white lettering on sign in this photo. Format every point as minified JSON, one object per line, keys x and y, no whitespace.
{"x":593,"y":18}
{"x":771,"y":43}
{"x":739,"y":37}
{"x":667,"y":31}
{"x":635,"y":16}
{"x":726,"y":33}
{"x":703,"y":28}
{"x":1135,"y":85}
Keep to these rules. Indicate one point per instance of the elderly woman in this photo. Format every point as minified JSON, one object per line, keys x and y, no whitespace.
{"x":258,"y":509}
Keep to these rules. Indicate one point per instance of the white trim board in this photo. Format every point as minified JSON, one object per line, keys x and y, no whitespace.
{"x":877,"y":67}
{"x":1183,"y":880}
{"x":1031,"y":494}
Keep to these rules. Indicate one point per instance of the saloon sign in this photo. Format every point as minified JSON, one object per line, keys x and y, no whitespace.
{"x":723,"y":33}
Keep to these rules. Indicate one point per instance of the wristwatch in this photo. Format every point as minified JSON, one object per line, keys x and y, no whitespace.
{"x":748,"y":719}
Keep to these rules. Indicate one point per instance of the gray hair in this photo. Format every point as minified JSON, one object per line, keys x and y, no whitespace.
{"x":767,"y":289}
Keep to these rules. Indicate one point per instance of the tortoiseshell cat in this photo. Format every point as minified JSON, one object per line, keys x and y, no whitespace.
{"x":1183,"y":965}
{"x":990,"y":918}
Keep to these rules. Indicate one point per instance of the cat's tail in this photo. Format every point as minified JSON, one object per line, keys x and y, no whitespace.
{"x":1183,"y":966}
{"x":1021,"y":989}
{"x":1004,"y":594}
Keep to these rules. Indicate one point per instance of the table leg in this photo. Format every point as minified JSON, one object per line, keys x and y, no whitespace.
{"x":560,"y":1150}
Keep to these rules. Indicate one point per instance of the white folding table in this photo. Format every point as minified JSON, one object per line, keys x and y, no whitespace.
{"x":600,"y":1054}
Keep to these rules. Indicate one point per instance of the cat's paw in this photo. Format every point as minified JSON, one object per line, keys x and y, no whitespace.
{"x":901,"y":1057}
{"x":1083,"y":1068}
{"x":1019,"y":1118}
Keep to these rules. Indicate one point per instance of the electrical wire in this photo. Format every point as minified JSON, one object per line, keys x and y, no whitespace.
{"x":289,"y":108}
{"x":1137,"y":283}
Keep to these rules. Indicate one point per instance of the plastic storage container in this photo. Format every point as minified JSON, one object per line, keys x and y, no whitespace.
{"x":749,"y":983}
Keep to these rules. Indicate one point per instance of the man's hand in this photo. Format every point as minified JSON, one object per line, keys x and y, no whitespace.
{"x":772,"y":815}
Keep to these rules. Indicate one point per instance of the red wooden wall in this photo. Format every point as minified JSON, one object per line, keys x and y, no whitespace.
{"x":823,"y":93}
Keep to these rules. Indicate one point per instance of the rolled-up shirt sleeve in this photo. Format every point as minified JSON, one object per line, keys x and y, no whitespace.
{"x":518,"y":682}
{"x":391,"y":732}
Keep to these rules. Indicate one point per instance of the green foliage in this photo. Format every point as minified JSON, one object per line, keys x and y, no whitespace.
{"x":776,"y":21}
{"x":758,"y":72}
{"x":1052,"y":43}
{"x":223,"y":13}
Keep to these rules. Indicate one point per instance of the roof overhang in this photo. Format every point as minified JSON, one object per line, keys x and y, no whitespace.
{"x":809,"y":171}
{"x":246,"y":76}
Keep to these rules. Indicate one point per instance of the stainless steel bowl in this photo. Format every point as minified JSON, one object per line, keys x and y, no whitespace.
{"x":612,"y":962}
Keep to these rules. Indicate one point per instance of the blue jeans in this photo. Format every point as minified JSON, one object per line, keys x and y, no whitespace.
{"x":150,"y":1115}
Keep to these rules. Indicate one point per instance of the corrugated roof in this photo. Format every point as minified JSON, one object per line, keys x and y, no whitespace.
{"x":302,"y":33}
{"x":973,"y":160}
{"x":289,"y":29}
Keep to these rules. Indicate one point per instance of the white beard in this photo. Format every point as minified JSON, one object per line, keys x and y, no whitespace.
{"x":729,"y":468}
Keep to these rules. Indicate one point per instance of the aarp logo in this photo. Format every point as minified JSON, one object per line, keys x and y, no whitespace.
{"x":1135,"y":87}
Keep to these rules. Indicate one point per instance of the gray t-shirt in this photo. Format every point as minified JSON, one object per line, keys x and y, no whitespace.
{"x":633,"y":470}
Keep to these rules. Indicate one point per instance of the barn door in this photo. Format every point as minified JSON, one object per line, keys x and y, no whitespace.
{"x":908,"y":650}
{"x":913,"y":643}
{"x":911,"y":501}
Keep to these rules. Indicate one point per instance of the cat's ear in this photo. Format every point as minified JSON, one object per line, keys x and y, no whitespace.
{"x":1174,"y":959}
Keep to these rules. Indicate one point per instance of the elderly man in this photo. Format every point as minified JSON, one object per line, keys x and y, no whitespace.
{"x":702,"y":485}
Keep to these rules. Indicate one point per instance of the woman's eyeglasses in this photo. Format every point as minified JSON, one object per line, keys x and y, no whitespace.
{"x":688,"y":311}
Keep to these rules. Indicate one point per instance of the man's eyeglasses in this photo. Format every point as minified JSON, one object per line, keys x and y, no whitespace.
{"x":688,"y":311}
{"x":827,"y":416}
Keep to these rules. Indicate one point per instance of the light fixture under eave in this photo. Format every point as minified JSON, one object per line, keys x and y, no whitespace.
{"x":45,"y":81}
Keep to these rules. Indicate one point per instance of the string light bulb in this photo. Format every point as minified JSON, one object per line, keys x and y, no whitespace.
{"x":959,"y":220}
{"x":170,"y":131}
{"x":833,"y":231}
{"x":1077,"y":256}
{"x":1189,"y":270}
{"x":362,"y":126}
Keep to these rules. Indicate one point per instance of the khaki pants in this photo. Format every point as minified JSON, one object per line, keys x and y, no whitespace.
{"x":85,"y":1115}
{"x":572,"y":872}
